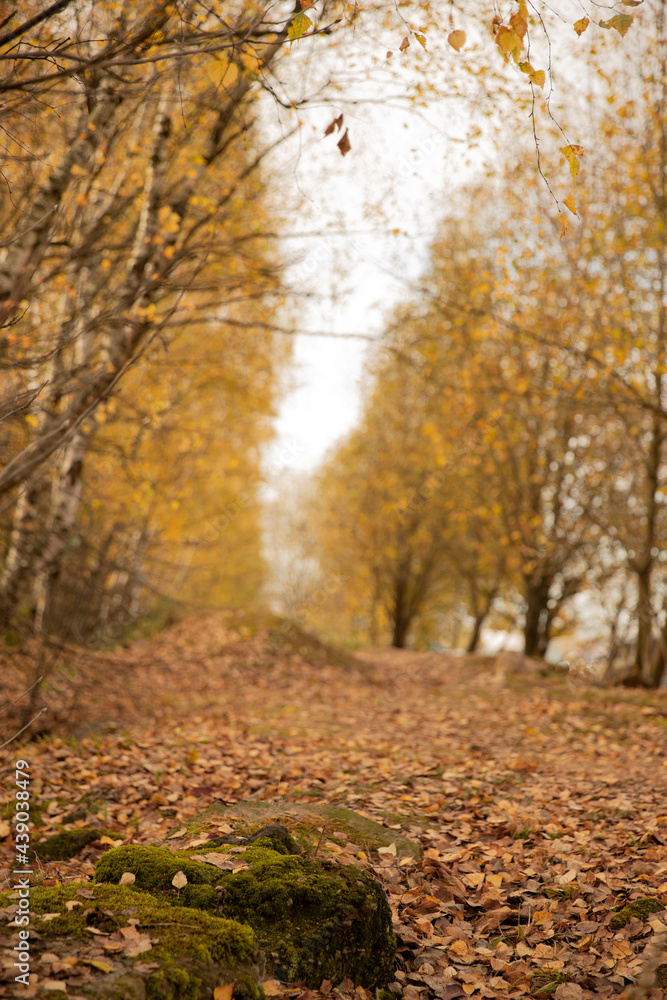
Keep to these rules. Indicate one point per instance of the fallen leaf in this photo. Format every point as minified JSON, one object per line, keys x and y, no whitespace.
{"x":568,"y":991}
{"x":459,"y":947}
{"x":272,"y":987}
{"x":179,"y":880}
{"x":113,"y":945}
{"x":214,"y":858}
{"x":136,"y":943}
{"x":127,"y":878}
{"x":97,"y":963}
{"x":223,"y":992}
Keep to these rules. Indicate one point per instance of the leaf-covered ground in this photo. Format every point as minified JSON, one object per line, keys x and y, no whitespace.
{"x":539,"y":801}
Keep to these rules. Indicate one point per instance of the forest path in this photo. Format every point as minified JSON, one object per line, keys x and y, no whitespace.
{"x":539,"y":802}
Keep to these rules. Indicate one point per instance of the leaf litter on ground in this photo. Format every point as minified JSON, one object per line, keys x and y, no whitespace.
{"x":539,"y":801}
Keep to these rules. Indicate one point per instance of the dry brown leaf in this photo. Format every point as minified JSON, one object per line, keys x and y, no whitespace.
{"x":344,"y":143}
{"x":223,"y":992}
{"x":182,"y":830}
{"x":568,"y":991}
{"x":272,"y":987}
{"x":214,"y":858}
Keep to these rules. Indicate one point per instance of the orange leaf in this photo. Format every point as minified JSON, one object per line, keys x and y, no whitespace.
{"x":457,"y":39}
{"x":223,"y":992}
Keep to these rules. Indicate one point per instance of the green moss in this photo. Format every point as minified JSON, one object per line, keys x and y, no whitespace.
{"x":246,"y":988}
{"x":195,"y":950}
{"x":198,"y":897}
{"x":315,"y":920}
{"x":177,"y":984}
{"x":154,"y":867}
{"x":62,"y":846}
{"x":637,"y":908}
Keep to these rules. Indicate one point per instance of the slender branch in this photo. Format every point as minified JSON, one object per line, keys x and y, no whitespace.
{"x":16,"y":735}
{"x":27,"y":691}
{"x":55,"y":8}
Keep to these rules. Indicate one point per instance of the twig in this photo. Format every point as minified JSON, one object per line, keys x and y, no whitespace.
{"x":4,"y":710}
{"x":11,"y":738}
{"x":319,"y":842}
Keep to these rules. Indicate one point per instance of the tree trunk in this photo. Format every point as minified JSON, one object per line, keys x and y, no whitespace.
{"x":400,"y":612}
{"x":473,"y":641}
{"x":20,"y":552}
{"x":400,"y":631}
{"x":65,"y":498}
{"x":480,"y":614}
{"x":536,"y":627}
{"x":644,"y":623}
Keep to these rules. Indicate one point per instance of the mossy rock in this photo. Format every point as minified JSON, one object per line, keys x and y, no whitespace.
{"x":314,"y":919}
{"x":304,"y":819}
{"x":640,"y":908}
{"x":67,"y":844}
{"x":191,"y":953}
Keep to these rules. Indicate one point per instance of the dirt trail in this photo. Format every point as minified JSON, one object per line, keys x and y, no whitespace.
{"x":540,"y":803}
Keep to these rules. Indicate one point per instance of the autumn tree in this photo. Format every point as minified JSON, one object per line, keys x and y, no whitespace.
{"x":136,"y":213}
{"x":131,"y":162}
{"x":613,"y":324}
{"x":475,"y":398}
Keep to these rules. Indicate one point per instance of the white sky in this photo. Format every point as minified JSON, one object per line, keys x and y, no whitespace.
{"x":374,"y":213}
